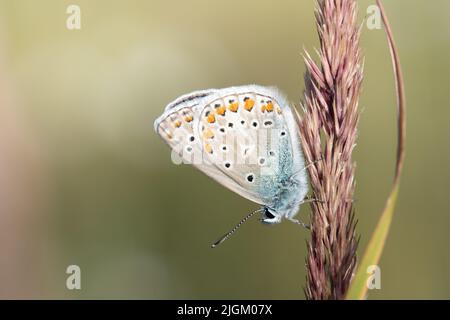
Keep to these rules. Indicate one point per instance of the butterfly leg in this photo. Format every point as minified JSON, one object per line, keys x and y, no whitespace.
{"x":310,"y":199}
{"x":305,"y":167}
{"x":313,"y":162}
{"x":296,"y":221}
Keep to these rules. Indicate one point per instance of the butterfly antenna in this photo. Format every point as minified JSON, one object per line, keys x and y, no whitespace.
{"x":227,"y":235}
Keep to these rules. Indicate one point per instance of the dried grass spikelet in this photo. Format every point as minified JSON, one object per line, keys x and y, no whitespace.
{"x":329,"y":129}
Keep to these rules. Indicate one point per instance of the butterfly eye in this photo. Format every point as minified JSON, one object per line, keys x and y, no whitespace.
{"x":191,"y":138}
{"x":262,"y":161}
{"x":224,"y":148}
{"x":222,"y":130}
{"x":227,"y":165}
{"x":230,"y":125}
{"x":268,"y":214}
{"x":283,"y":133}
{"x":250,"y":177}
{"x":255,"y":124}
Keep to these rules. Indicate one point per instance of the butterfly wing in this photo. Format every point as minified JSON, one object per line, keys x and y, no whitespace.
{"x":176,"y":128}
{"x":247,"y":134}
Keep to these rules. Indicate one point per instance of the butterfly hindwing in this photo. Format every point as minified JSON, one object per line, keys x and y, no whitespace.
{"x":244,"y":134}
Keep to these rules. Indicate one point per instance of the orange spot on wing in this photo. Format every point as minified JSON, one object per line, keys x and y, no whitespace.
{"x":263,"y":108}
{"x":249,"y":103}
{"x":188,"y":118}
{"x":233,"y":107}
{"x":208,"y":148}
{"x":208,"y":134}
{"x":221,"y":110}
{"x":177,"y":124}
{"x":269,"y":107}
{"x":278,"y":110}
{"x":211,"y":118}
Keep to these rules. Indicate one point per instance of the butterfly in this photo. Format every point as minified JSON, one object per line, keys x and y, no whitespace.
{"x":247,"y":139}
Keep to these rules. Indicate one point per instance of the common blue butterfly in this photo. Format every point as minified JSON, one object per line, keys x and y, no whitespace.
{"x":247,"y":139}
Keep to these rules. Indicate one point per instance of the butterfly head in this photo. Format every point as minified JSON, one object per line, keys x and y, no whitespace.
{"x":270,"y":216}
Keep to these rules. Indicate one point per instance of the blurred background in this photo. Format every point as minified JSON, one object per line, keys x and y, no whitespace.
{"x":84,"y":179}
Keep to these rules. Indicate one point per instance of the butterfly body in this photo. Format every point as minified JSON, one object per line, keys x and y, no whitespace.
{"x":246,"y":138}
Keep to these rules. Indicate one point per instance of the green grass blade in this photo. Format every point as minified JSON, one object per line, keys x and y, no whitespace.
{"x":358,"y":288}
